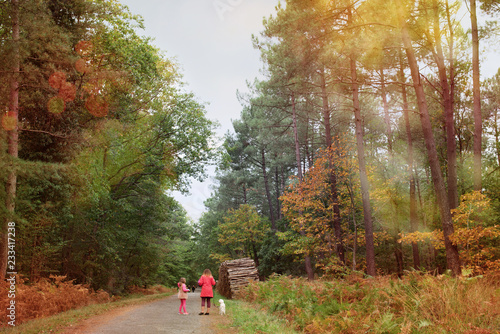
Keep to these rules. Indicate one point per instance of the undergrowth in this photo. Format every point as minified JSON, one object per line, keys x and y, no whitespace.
{"x":417,"y":303}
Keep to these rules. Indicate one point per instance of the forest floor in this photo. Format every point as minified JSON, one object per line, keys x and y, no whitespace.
{"x":156,"y":317}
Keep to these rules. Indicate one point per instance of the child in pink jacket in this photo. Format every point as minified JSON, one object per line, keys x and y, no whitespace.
{"x":206,"y":282}
{"x":182,"y":295}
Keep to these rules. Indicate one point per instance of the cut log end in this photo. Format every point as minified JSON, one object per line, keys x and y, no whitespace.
{"x":235,"y":275}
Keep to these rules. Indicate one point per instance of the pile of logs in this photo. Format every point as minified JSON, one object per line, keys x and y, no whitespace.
{"x":234,"y":275}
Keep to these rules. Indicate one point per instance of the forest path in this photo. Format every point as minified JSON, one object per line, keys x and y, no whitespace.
{"x":156,"y":317}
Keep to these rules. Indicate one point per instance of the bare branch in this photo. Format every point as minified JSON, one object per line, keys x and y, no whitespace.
{"x":46,"y":132}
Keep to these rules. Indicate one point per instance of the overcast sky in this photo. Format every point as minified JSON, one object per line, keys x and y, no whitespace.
{"x":211,"y":41}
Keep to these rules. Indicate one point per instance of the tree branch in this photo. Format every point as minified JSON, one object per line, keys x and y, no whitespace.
{"x":45,"y":132}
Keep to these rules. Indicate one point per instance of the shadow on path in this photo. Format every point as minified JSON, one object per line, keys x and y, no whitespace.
{"x":157,"y":317}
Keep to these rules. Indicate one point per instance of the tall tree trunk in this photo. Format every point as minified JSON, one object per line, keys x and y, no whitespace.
{"x":451,"y":55}
{"x":244,"y":193}
{"x":476,"y":93}
{"x":355,"y":225}
{"x":12,"y":139}
{"x":452,"y":257}
{"x":365,"y":191}
{"x":497,"y":137}
{"x":282,"y":179}
{"x":278,"y":192}
{"x":387,"y":117}
{"x":296,"y":138}
{"x":448,"y":111}
{"x":336,"y":224}
{"x":398,"y":249}
{"x":365,"y":188}
{"x":266,"y":186}
{"x":255,"y":255}
{"x":411,"y":169}
{"x":398,"y":255}
{"x":307,"y":258}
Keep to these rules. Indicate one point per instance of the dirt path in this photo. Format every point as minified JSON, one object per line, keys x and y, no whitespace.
{"x":156,"y":317}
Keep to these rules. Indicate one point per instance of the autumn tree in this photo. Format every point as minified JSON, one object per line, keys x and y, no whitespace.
{"x":307,"y":204}
{"x":476,"y":233}
{"x":243,"y":230}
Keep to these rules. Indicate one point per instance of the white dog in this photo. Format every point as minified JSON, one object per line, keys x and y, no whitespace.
{"x":222,"y":307}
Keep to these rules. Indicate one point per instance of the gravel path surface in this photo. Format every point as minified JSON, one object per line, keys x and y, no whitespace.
{"x":159,"y":317}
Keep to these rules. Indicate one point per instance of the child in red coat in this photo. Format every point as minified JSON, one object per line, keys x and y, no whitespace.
{"x":206,"y":282}
{"x":182,"y":295}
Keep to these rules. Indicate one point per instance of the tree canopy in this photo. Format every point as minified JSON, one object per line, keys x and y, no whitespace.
{"x":106,"y":131}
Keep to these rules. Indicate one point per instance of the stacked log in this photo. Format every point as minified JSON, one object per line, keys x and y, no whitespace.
{"x":234,"y":275}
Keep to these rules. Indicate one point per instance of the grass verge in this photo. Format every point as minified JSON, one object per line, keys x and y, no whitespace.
{"x":245,"y":318}
{"x":60,"y":322}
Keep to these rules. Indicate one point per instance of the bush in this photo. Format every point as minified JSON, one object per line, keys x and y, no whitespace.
{"x":47,"y":297}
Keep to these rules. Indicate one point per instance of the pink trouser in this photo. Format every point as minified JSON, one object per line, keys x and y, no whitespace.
{"x":183,"y":306}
